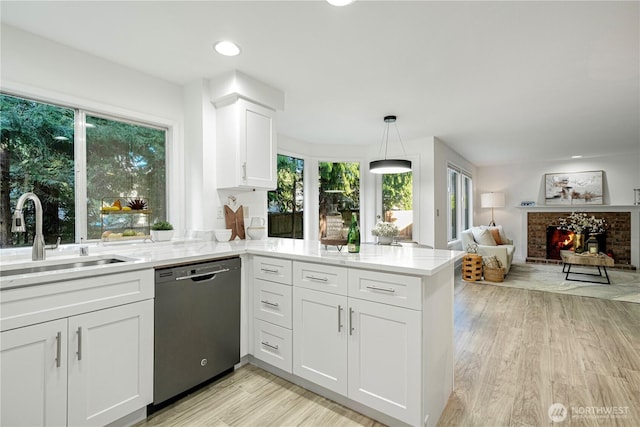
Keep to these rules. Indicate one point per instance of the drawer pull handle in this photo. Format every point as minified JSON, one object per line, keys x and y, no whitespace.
{"x":272,"y":304}
{"x":58,"y":349}
{"x":375,"y":288}
{"x":339,"y":318}
{"x":317,"y":279}
{"x":79,"y":352}
{"x":351,"y":328}
{"x":269,"y":270}
{"x":266,"y":344}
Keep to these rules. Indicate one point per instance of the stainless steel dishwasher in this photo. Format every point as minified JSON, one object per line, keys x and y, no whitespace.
{"x":197,"y":325}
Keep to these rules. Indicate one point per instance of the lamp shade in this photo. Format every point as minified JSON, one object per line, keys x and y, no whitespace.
{"x":389,"y":166}
{"x":492,"y":200}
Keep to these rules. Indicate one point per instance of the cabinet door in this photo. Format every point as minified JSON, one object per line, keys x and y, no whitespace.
{"x":384,"y":359}
{"x":257,"y":137}
{"x":33,"y":365}
{"x":320,"y":338}
{"x":110,"y":363}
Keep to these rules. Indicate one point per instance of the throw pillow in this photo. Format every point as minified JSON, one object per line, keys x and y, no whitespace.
{"x":482,"y":236}
{"x":495,"y":233}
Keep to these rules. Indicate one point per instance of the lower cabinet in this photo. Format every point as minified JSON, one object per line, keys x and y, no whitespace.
{"x":33,"y":366}
{"x":320,"y":338}
{"x":367,"y":351}
{"x":86,"y":370}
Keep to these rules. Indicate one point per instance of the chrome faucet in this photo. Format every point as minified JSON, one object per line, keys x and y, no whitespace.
{"x":18,"y":226}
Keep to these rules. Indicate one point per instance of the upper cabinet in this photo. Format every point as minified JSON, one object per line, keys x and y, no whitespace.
{"x":246,"y":147}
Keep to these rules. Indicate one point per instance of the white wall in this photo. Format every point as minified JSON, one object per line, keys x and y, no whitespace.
{"x":36,"y":67}
{"x":525,"y":181}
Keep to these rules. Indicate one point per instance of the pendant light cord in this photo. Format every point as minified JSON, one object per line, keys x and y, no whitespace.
{"x":400,"y":138}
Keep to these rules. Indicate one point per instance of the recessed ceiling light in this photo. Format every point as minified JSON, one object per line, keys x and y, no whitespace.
{"x":579,"y":156}
{"x":227,"y":48}
{"x":340,"y":2}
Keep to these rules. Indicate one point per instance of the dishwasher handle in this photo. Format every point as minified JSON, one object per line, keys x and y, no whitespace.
{"x":211,"y":275}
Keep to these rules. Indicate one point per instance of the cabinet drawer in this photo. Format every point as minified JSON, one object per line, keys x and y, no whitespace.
{"x":320,"y":277}
{"x":272,"y":344}
{"x":272,"y":269}
{"x":394,"y":289}
{"x":272,"y":302}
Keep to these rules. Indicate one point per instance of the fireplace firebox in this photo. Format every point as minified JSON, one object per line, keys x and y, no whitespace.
{"x":560,"y":240}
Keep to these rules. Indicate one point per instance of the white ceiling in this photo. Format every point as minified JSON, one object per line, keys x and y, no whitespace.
{"x":499,"y":82}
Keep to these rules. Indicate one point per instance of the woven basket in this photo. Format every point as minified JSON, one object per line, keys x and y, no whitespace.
{"x":494,"y":274}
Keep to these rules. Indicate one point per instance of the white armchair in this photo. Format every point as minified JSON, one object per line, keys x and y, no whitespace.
{"x":487,"y":245}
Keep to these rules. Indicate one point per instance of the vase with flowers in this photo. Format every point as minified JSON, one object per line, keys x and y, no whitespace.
{"x":582,"y":224}
{"x":385,"y":232}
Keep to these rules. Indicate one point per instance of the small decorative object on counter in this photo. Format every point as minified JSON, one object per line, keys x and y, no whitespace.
{"x":636,"y":196}
{"x":353,"y":238}
{"x":385,"y":231}
{"x":234,"y":220}
{"x":124,"y":218}
{"x":161,"y":231}
{"x":257,"y":229}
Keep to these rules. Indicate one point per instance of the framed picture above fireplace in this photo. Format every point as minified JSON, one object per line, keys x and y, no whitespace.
{"x":574,"y":188}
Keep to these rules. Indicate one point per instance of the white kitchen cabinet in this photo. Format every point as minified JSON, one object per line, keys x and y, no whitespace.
{"x":272,"y":344}
{"x":110,"y":363}
{"x":33,"y":378}
{"x":77,"y":352}
{"x":93,"y":368}
{"x":246,"y":147}
{"x":363,"y":349}
{"x":385,"y":358}
{"x":272,"y":314}
{"x":320,"y":338}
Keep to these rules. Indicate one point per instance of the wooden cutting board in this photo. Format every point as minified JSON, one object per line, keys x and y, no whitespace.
{"x":234,"y":221}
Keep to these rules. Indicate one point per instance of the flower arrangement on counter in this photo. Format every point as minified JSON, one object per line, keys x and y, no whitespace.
{"x":580,"y":222}
{"x":385,"y":229}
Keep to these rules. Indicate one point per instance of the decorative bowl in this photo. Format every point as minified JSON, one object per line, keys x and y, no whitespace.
{"x":222,"y":234}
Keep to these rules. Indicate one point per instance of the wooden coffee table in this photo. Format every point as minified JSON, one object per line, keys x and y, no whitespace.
{"x":601,"y":261}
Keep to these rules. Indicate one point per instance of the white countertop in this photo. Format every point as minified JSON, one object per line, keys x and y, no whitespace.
{"x":404,"y":260}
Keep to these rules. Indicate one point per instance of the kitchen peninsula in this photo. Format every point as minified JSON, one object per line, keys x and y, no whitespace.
{"x":372,"y":331}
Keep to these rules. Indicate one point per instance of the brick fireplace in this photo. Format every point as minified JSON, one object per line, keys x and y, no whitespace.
{"x":617,"y":240}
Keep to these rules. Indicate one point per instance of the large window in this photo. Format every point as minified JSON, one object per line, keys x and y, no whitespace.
{"x":40,"y":152}
{"x":397,"y":202}
{"x":123,"y":160}
{"x":285,"y":203}
{"x":459,"y":215}
{"x":339,"y":185}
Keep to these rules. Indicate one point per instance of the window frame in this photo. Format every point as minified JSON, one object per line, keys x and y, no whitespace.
{"x":81,"y":110}
{"x":463,"y":202}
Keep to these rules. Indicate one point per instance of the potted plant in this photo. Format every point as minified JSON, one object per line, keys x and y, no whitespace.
{"x":161,"y":231}
{"x":385,"y":231}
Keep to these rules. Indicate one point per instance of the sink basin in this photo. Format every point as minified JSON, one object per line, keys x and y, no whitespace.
{"x":60,"y":265}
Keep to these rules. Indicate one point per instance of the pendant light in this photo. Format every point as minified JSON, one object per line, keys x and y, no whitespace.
{"x":389,"y":166}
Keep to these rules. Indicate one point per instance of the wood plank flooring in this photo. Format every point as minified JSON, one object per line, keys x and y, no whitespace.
{"x":516,"y":353}
{"x":519,"y":351}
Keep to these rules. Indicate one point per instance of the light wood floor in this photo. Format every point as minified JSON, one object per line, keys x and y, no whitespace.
{"x":516,"y":352}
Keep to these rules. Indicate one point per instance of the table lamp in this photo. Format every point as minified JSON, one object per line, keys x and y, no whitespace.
{"x":492,"y":200}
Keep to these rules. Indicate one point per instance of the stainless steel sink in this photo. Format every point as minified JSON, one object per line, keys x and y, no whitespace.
{"x":61,"y":265}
